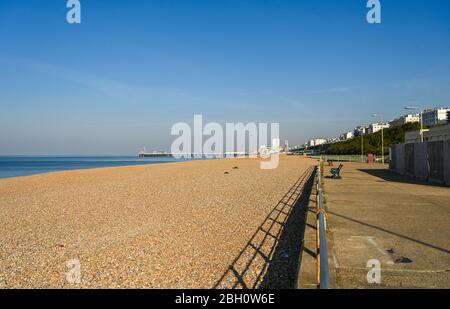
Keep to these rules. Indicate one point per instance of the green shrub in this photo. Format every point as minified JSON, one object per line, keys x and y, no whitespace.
{"x":372,"y":142}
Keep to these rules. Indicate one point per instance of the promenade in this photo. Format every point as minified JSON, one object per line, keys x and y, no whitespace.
{"x":221,"y":224}
{"x":376,"y":214}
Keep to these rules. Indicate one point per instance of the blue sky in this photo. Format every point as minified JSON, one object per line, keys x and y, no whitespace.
{"x":133,"y":68}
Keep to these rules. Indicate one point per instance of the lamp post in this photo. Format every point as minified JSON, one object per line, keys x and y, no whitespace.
{"x":421,"y":119}
{"x":382,"y":136}
{"x":362,"y":146}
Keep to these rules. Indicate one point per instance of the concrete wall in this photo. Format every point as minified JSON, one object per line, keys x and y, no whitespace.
{"x":447,"y":162}
{"x":421,"y":161}
{"x":392,"y":158}
{"x":409,"y":160}
{"x":401,"y":159}
{"x":436,"y":162}
{"x":429,"y":161}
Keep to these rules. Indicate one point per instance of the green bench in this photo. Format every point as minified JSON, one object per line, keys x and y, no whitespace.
{"x":336,"y":172}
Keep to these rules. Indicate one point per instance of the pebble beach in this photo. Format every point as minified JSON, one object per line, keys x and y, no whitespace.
{"x":176,"y":225}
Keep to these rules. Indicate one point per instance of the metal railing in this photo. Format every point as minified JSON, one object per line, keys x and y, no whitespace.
{"x":323,"y":273}
{"x":350,"y":158}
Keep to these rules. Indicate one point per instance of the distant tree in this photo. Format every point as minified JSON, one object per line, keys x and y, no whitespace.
{"x":372,"y":142}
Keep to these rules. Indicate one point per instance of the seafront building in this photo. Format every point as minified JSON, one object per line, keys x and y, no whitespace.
{"x":316,"y":142}
{"x":275,"y":148}
{"x":286,"y":146}
{"x":440,"y":133}
{"x":431,"y":117}
{"x":376,"y":127}
{"x":402,"y":120}
{"x":435,"y":116}
{"x":360,"y":130}
{"x":346,"y":136}
{"x":333,"y":140}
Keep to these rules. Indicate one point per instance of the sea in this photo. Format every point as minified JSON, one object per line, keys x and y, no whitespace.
{"x":15,"y":166}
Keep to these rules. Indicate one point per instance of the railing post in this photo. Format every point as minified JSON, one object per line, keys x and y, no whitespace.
{"x":323,"y":277}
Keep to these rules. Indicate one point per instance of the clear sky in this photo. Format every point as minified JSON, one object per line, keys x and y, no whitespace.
{"x":132,"y":69}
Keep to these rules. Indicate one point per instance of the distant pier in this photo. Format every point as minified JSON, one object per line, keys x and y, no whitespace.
{"x":154,"y":155}
{"x":144,"y":154}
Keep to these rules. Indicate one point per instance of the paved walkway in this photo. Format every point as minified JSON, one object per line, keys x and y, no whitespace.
{"x":376,"y":214}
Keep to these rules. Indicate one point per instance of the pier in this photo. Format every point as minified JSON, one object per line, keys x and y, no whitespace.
{"x":155,"y":154}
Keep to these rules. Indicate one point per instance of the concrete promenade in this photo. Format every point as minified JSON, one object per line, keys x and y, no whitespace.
{"x":376,"y":214}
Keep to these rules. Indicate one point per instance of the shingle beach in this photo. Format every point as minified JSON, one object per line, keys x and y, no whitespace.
{"x":177,"y":225}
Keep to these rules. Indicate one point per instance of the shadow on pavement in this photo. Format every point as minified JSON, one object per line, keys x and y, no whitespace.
{"x":391,"y":232}
{"x":390,"y":176}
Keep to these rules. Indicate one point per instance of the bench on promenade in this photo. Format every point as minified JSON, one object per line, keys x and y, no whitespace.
{"x":336,"y":172}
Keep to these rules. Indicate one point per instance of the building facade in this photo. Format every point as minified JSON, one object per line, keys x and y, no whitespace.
{"x":435,"y":116}
{"x":346,"y":136}
{"x":361,"y":130}
{"x":286,"y":146}
{"x":404,"y":120}
{"x":376,"y":127}
{"x":441,"y":133}
{"x":317,"y":142}
{"x":333,"y":140}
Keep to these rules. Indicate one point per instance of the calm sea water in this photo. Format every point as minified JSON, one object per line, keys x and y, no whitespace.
{"x":24,"y":166}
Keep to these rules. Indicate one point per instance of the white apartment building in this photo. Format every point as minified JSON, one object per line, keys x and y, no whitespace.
{"x":361,"y":130}
{"x":333,"y":140}
{"x":404,"y":120}
{"x":317,"y":142}
{"x":376,"y":127}
{"x":276,"y":146}
{"x":286,"y":146}
{"x":347,"y":135}
{"x":441,"y":133}
{"x":435,"y":116}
